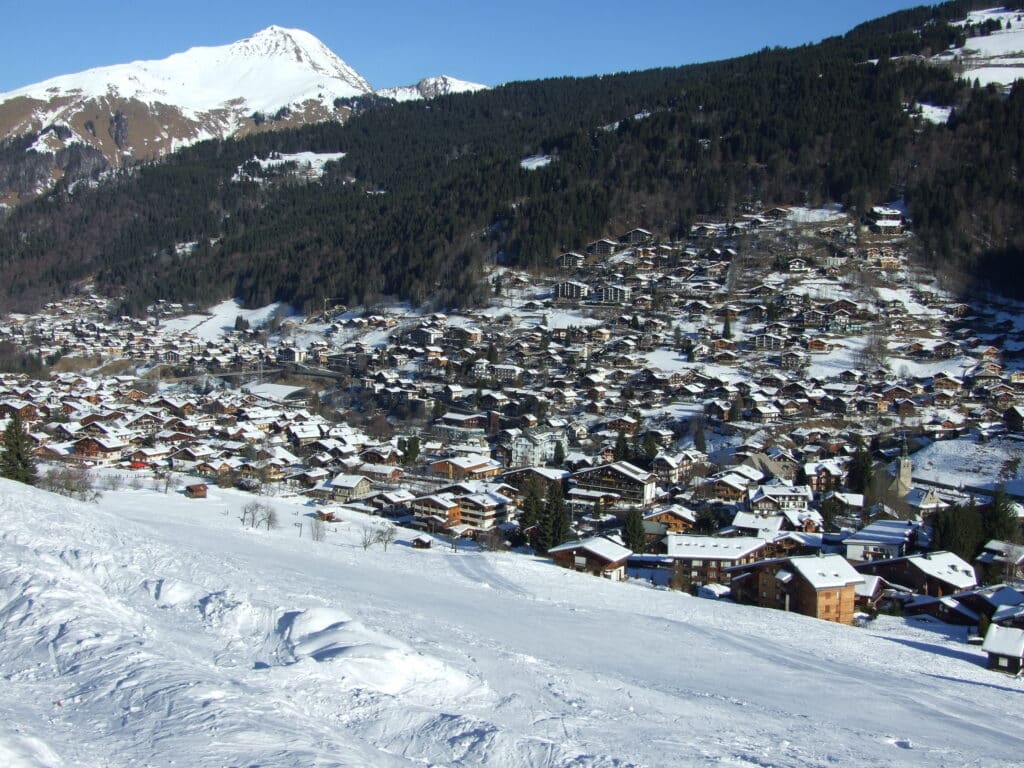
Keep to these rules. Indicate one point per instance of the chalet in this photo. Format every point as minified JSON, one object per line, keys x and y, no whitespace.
{"x":675,"y":468}
{"x":675,"y":518}
{"x":820,"y":586}
{"x":1014,"y":418}
{"x":636,"y":237}
{"x":1001,"y":558}
{"x":883,"y":540}
{"x":614,"y":294}
{"x":482,"y":511}
{"x":99,"y":450}
{"x":343,"y":488}
{"x":632,"y":484}
{"x":935,"y":573}
{"x":699,"y":560}
{"x":769,"y":341}
{"x":792,"y":360}
{"x":436,"y":511}
{"x":572,"y":289}
{"x":603,"y":247}
{"x":462,"y":467}
{"x":571,"y":260}
{"x":196,"y":491}
{"x":1005,"y":649}
{"x":598,"y":556}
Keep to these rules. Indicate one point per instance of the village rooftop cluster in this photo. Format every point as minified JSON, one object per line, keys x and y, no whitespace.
{"x":721,"y":387}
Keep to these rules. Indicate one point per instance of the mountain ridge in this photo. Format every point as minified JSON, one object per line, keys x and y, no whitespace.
{"x":142,"y":110}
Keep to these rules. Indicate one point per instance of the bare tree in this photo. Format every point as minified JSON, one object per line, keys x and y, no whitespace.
{"x":70,"y":480}
{"x":113,"y":481}
{"x":267,"y":517}
{"x":252,"y":514}
{"x":385,"y":535}
{"x":369,"y":538}
{"x":318,"y":531}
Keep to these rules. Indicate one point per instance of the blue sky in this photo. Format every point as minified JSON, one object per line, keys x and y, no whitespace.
{"x":396,"y":42}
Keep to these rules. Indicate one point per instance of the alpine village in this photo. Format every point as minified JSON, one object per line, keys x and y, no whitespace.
{"x":751,"y":331}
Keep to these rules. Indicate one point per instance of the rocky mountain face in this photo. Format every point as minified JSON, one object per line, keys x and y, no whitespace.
{"x":75,"y":127}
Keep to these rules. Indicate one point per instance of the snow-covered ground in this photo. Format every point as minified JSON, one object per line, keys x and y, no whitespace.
{"x":312,"y":161}
{"x":220,"y":319}
{"x":936,"y":115}
{"x":533,"y":162}
{"x":996,"y":58}
{"x":801,"y":215}
{"x":154,"y":630}
{"x":970,"y":462}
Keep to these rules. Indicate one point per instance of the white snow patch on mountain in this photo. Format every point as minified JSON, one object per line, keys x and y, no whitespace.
{"x":997,"y":58}
{"x":936,"y":115}
{"x":431,"y":87}
{"x":533,"y":162}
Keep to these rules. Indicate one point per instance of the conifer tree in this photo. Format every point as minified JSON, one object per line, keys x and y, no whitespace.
{"x":633,"y":531}
{"x":700,"y":442}
{"x":859,"y":477}
{"x":559,"y":457}
{"x":554,"y":523}
{"x":16,"y":459}
{"x":533,"y":506}
{"x":736,"y":410}
{"x":621,"y":452}
{"x":999,"y":520}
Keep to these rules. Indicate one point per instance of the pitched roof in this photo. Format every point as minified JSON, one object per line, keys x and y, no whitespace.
{"x":826,"y":571}
{"x":597,"y":546}
{"x":1004,"y":641}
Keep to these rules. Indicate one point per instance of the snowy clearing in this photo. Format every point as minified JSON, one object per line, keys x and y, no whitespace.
{"x":220,"y":319}
{"x":533,"y":162}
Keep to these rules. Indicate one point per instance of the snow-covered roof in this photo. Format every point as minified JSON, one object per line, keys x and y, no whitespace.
{"x":1004,"y":641}
{"x":947,"y":566}
{"x":826,"y":571}
{"x":712,"y":547}
{"x":597,"y":546}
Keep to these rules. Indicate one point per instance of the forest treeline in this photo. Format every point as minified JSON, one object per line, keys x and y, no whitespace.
{"x":429,"y":192}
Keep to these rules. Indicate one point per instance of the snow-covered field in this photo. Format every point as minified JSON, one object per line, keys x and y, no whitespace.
{"x":967,"y":461}
{"x":996,"y":58}
{"x":220,"y":319}
{"x":154,"y":630}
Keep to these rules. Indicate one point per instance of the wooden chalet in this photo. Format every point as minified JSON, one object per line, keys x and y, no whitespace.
{"x":823,"y":587}
{"x":1005,"y":649}
{"x":598,"y":556}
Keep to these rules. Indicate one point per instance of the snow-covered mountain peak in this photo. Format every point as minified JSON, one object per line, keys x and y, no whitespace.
{"x":272,"y":68}
{"x":298,"y":46}
{"x":431,"y":88}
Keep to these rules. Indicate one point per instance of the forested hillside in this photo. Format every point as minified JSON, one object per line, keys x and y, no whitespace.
{"x":429,"y":192}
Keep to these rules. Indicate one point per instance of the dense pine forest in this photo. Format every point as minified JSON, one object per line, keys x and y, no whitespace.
{"x":429,"y":192}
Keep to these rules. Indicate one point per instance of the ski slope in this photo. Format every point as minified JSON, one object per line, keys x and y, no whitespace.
{"x":149,"y":629}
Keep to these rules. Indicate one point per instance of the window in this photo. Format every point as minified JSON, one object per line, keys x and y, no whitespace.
{"x":1004,"y":662}
{"x":697,"y":563}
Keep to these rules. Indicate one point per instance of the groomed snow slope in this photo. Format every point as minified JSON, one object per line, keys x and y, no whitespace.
{"x":154,"y":630}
